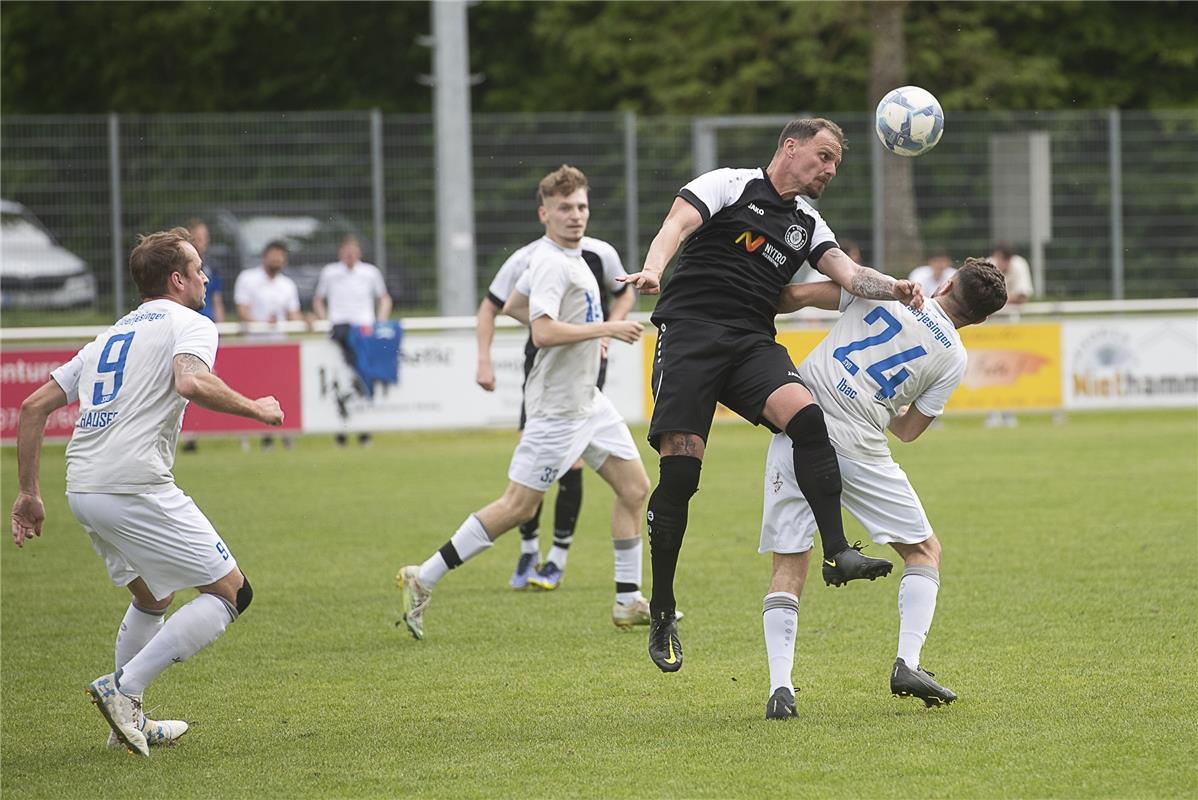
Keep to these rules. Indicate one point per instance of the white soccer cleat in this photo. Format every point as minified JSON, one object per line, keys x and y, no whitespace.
{"x":158,"y":732}
{"x":635,"y":613}
{"x":122,"y":712}
{"x":415,"y":599}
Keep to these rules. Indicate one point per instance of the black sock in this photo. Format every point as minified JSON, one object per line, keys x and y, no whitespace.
{"x":667,"y":524}
{"x":529,"y":529}
{"x":818,"y":474}
{"x":569,"y":501}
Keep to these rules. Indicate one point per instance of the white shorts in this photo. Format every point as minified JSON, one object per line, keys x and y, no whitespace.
{"x":162,"y":538}
{"x":879,"y":496}
{"x":550,"y":445}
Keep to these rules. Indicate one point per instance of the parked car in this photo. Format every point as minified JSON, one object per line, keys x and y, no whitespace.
{"x":36,"y":271}
{"x":239,"y":236}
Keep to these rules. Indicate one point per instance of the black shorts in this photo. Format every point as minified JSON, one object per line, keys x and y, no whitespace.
{"x":698,"y":364}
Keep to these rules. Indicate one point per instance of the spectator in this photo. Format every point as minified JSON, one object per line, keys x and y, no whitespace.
{"x":933,"y":274}
{"x":351,"y":292}
{"x":214,"y":300}
{"x":265,"y":294}
{"x":1016,"y":271}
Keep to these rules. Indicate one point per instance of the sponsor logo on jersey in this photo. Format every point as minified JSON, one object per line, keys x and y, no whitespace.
{"x":756,"y":210}
{"x":774,"y":256}
{"x":752,"y":243}
{"x":796,"y":237}
{"x":96,"y":419}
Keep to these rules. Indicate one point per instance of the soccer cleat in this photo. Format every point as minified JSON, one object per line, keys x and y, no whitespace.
{"x":664,"y":647}
{"x":547,"y":578}
{"x":636,"y":613}
{"x":781,"y":704}
{"x":525,"y":568}
{"x":851,"y":564}
{"x":415,"y":599}
{"x":907,"y":682}
{"x":157,"y":732}
{"x":122,"y":711}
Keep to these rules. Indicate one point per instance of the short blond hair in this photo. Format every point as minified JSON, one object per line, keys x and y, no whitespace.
{"x":563,"y":181}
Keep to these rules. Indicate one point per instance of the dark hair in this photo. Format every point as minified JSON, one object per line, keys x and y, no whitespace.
{"x":277,"y":244}
{"x":194,"y":223}
{"x":980,"y":289}
{"x":155,"y":257}
{"x":806,"y":128}
{"x":563,"y":181}
{"x":940,"y":253}
{"x":1003,"y":249}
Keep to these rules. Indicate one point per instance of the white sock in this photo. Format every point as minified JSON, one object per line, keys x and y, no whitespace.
{"x":780,"y":619}
{"x":626,"y":553}
{"x":188,"y":631}
{"x":916,"y":604}
{"x":558,"y":556}
{"x":532,"y":545}
{"x":470,"y":540}
{"x":137,"y":629}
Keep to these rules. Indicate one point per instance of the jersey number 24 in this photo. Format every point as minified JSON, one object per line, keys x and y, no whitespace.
{"x":886,"y":383}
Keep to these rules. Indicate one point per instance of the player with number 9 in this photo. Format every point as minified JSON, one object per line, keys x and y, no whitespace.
{"x":133,"y":383}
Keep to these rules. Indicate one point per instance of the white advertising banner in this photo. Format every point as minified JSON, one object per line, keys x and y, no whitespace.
{"x":1138,"y":362}
{"x":436,"y":386}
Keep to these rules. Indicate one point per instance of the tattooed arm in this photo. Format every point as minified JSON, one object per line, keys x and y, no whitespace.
{"x":866,"y":282}
{"x":195,"y":381}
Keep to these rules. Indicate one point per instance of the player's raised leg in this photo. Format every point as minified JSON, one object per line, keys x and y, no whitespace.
{"x":792,"y":409}
{"x":917,"y":594}
{"x":474,"y":535}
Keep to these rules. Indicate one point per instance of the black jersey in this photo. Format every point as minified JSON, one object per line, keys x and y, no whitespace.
{"x":732,"y":269}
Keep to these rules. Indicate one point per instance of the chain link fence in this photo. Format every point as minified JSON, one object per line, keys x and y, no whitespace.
{"x":1112,"y":196}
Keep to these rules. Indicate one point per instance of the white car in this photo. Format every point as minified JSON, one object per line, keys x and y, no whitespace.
{"x":35,"y":271}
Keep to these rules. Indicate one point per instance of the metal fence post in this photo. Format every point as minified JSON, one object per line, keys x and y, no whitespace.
{"x":376,"y":189}
{"x":631,"y":192}
{"x":878,"y":204}
{"x":114,"y":201}
{"x":1115,"y":143}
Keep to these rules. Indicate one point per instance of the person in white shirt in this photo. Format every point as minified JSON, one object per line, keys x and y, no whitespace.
{"x":133,"y":384}
{"x":884,"y":365}
{"x":616,"y":299}
{"x":350,"y":292}
{"x":568,"y":417}
{"x":1017,"y":273}
{"x":263,"y":294}
{"x":931,"y":276}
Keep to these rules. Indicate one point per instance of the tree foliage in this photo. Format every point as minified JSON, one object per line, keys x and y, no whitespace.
{"x":650,"y":57}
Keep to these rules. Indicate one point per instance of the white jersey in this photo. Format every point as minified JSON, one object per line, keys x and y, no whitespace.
{"x":270,"y":299}
{"x":351,"y":294}
{"x":880,"y":356}
{"x":600,"y":256}
{"x":560,"y":286}
{"x":129,"y":411}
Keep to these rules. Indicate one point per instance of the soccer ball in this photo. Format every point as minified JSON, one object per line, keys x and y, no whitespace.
{"x":909,"y":121}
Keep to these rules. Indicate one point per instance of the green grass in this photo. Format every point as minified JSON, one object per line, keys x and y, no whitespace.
{"x":1067,"y":623}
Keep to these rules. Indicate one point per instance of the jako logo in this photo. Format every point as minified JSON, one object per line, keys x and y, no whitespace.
{"x":756,"y":210}
{"x":752,"y":244}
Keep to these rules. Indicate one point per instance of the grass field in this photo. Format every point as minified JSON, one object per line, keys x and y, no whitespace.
{"x":1067,"y":622}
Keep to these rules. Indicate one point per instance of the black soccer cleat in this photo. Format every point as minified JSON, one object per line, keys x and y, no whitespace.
{"x":851,"y":564}
{"x":664,"y":647}
{"x":907,"y":682}
{"x":781,"y":704}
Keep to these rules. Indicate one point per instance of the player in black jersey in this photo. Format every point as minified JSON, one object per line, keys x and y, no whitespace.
{"x":747,"y":232}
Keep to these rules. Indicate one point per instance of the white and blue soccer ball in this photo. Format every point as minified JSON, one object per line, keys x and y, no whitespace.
{"x":909,"y":121}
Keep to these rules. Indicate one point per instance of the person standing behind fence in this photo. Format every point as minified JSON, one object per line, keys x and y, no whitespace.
{"x":214,"y":299}
{"x":1018,"y":276}
{"x":264,"y":294}
{"x":932,"y":276}
{"x":350,"y":292}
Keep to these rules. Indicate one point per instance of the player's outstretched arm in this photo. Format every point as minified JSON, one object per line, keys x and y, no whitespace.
{"x":866,"y":282}
{"x":680,"y":223}
{"x":28,"y":511}
{"x":196,"y":382}
{"x":549,"y":332}
{"x":818,"y":294}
